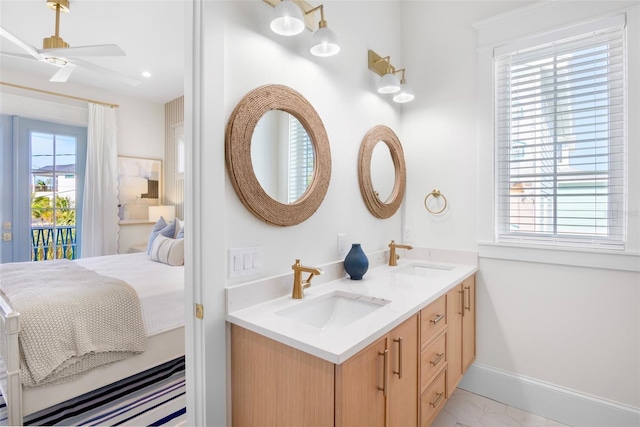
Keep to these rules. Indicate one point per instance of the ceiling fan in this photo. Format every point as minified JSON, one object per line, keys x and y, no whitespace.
{"x":57,"y":52}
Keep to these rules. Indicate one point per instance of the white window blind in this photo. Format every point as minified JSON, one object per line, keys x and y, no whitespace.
{"x":301,"y":160}
{"x":560,"y":142}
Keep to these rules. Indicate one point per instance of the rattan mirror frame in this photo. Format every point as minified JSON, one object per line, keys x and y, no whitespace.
{"x":238,"y":136}
{"x":377,"y":207}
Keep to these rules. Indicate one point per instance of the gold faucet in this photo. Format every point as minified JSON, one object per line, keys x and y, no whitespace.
{"x":393,"y":258}
{"x":298,"y":284}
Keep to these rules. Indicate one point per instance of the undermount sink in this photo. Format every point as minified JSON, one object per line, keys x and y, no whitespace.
{"x":425,"y":269}
{"x":333,"y":310}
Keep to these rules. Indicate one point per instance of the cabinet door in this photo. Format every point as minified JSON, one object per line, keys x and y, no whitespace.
{"x":360,"y":387}
{"x":468,"y":323}
{"x":454,"y":338}
{"x":403,"y":383}
{"x":277,"y":385}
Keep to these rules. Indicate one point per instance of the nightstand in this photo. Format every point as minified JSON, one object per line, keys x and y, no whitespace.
{"x":137,"y":248}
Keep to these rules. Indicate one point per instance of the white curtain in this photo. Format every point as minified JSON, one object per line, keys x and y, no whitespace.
{"x":100,"y":207}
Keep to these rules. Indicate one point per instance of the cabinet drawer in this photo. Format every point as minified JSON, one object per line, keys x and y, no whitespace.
{"x":433,"y":399}
{"x":433,"y":319}
{"x":432,"y":360}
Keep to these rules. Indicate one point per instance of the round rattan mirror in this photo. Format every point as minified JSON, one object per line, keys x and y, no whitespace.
{"x":239,"y":133}
{"x":377,"y":135}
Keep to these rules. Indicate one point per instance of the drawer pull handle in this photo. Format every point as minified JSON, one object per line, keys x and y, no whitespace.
{"x":468,"y":292}
{"x":438,"y":399}
{"x":438,"y":318}
{"x":385,"y":355}
{"x":438,"y":359}
{"x":399,"y":371}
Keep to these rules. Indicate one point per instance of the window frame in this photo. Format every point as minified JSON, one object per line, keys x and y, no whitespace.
{"x":544,"y":227}
{"x":548,"y":20}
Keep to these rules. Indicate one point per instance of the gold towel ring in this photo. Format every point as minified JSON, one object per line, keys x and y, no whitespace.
{"x":435,"y":193}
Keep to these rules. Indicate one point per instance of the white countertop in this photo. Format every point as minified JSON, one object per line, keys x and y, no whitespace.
{"x":408,"y":295}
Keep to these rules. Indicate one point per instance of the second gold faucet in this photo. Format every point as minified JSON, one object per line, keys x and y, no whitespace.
{"x":300,"y":285}
{"x":393,"y":257}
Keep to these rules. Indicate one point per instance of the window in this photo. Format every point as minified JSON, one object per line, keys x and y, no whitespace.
{"x":301,"y":160}
{"x":43,"y":186}
{"x":560,"y":142}
{"x":53,"y":196}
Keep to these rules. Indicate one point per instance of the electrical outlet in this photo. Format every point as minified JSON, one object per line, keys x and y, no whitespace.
{"x":407,"y":234}
{"x":342,"y":245}
{"x":6,"y":237}
{"x":7,"y":225}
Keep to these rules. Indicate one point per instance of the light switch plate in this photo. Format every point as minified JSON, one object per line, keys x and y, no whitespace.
{"x":244,"y":261}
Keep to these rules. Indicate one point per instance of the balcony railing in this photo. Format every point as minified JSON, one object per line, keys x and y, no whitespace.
{"x":51,"y":242}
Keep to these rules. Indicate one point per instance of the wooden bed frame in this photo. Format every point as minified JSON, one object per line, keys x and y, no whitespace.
{"x":161,"y":347}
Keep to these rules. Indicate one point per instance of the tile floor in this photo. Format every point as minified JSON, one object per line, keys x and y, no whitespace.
{"x":465,"y":409}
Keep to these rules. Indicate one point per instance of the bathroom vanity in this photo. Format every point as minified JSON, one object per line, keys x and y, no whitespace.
{"x":385,"y":351}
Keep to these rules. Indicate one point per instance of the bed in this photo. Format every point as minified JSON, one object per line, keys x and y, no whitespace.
{"x":160,"y":288}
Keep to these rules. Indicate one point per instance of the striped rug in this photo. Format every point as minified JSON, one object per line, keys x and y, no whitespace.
{"x":151,"y":398}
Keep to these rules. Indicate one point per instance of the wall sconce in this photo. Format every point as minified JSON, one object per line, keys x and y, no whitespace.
{"x":289,"y":19}
{"x":389,"y":82}
{"x":405,"y":94}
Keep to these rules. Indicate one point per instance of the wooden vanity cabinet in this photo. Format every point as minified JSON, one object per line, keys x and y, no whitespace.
{"x":378,"y":386}
{"x":274,"y":384}
{"x":461,"y":332}
{"x":403,"y":379}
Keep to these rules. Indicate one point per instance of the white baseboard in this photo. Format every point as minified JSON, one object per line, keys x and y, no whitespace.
{"x":548,"y":400}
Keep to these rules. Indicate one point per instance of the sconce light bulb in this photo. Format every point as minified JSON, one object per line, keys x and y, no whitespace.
{"x":287,"y":19}
{"x":324,"y":41}
{"x":389,"y":84}
{"x":405,"y":94}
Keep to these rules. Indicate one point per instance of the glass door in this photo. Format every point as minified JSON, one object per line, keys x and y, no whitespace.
{"x":48,"y":181}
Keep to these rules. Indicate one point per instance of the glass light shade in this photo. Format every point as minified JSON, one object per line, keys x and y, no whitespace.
{"x":167,"y":212}
{"x":287,"y":19}
{"x":405,"y":95}
{"x":324,"y":42}
{"x":389,"y":84}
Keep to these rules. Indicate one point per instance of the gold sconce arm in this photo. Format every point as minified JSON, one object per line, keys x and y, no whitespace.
{"x":380,"y":65}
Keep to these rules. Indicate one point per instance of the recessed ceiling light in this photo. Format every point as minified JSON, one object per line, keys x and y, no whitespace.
{"x":146,"y":74}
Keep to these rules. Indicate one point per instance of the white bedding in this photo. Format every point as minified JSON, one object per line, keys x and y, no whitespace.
{"x":160,"y":287}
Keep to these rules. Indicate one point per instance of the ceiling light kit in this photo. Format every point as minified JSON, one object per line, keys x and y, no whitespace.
{"x":389,"y":83}
{"x":57,"y":52}
{"x":290,"y":18}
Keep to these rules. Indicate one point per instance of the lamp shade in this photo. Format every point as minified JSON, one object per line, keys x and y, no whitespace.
{"x":287,"y":19}
{"x":324,"y":42}
{"x":405,"y":95}
{"x":389,"y":84}
{"x":167,"y":212}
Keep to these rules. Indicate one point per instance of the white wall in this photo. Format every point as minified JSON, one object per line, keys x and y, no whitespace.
{"x":341,"y":89}
{"x":240,"y":53}
{"x":140,"y":123}
{"x":573,"y":327}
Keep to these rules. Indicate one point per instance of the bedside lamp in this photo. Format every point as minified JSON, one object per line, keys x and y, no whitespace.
{"x":167,"y":212}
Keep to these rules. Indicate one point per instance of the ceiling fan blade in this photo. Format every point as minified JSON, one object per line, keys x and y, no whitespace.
{"x":63,"y":74}
{"x":18,"y":55}
{"x":107,"y":73}
{"x":24,"y":45}
{"x":96,"y":50}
